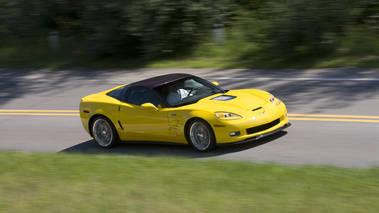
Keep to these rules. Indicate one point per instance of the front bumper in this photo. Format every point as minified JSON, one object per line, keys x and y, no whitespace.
{"x":253,"y":126}
{"x":259,"y":136}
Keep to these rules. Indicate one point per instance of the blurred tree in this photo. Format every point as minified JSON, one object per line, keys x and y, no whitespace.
{"x":307,"y":26}
{"x":149,"y":28}
{"x":62,"y":15}
{"x":18,"y":20}
{"x":24,"y":20}
{"x":368,"y":15}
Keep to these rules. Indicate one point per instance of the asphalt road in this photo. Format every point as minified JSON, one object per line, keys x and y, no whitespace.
{"x":334,"y":112}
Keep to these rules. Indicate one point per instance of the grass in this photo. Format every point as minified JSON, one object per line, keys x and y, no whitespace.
{"x":118,"y":183}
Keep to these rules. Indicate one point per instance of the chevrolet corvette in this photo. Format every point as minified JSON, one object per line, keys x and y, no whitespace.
{"x":181,"y":108}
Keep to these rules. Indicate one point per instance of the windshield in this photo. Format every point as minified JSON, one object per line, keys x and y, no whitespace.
{"x":187,"y":91}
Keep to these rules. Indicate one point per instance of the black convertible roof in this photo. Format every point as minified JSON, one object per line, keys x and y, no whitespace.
{"x":161,"y":80}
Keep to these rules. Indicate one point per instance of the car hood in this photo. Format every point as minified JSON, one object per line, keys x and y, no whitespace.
{"x":233,"y":101}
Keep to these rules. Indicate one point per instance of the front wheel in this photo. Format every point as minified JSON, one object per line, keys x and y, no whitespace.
{"x":201,"y":136}
{"x":104,"y":132}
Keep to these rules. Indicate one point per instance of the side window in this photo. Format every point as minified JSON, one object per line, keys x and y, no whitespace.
{"x":116,"y":93}
{"x":140,"y":96}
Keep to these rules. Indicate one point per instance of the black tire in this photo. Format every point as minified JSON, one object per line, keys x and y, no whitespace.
{"x":200,"y":136}
{"x":104,"y":132}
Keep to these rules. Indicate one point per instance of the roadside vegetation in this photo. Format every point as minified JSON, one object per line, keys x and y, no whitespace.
{"x":189,"y":33}
{"x":117,"y":183}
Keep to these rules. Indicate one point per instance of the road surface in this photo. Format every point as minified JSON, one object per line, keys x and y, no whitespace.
{"x":334,"y":113}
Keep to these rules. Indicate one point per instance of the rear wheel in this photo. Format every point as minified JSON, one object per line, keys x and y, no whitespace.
{"x":104,"y":132}
{"x":201,"y":136}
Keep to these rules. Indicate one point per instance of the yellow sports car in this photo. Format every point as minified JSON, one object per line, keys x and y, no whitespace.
{"x":181,"y":108}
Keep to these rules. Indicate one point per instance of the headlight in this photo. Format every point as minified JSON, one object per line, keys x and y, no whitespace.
{"x":227,"y":116}
{"x":274,"y":100}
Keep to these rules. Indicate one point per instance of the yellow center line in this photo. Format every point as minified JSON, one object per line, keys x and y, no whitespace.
{"x":58,"y":114}
{"x":23,"y":110}
{"x":340,"y":118}
{"x":332,"y":116}
{"x":343,"y":120}
{"x":39,"y":112}
{"x":299,"y":117}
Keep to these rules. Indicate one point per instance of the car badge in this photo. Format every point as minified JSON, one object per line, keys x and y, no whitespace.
{"x":262,"y":112}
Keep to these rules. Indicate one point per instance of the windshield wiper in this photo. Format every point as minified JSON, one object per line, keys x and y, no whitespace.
{"x":187,"y":103}
{"x":215,"y":92}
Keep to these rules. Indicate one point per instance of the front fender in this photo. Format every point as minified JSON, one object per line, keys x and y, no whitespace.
{"x":179,"y":120}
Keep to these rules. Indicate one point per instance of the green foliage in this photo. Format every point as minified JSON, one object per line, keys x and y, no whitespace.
{"x":15,"y":20}
{"x":146,"y":30}
{"x":23,"y":21}
{"x":302,"y":26}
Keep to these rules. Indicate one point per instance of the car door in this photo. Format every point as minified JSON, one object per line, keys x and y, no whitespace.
{"x":141,"y":122}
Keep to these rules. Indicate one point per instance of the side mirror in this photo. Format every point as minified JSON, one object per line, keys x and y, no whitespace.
{"x":215,"y":83}
{"x":149,"y":106}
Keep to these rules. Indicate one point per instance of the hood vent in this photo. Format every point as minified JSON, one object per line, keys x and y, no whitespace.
{"x":223,"y":98}
{"x":257,"y":109}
